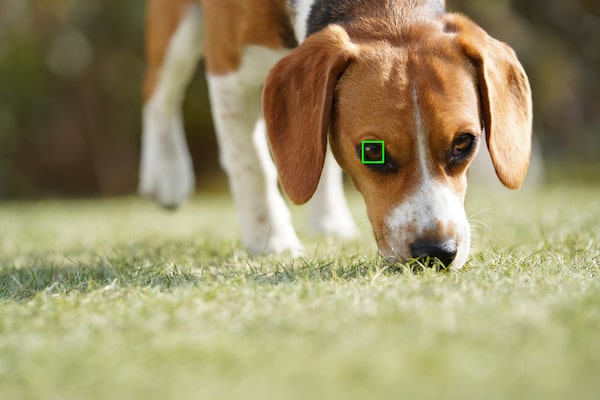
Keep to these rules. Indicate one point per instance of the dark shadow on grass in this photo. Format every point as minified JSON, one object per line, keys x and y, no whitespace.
{"x":163,"y":264}
{"x":132,"y":267}
{"x":164,"y":267}
{"x":21,"y":284}
{"x":328,"y":270}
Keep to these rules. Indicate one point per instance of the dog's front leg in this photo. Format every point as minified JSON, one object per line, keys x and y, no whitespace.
{"x":166,"y":172}
{"x":264,"y":217}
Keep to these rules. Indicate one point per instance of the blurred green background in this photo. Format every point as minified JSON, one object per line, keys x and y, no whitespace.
{"x":71,"y":72}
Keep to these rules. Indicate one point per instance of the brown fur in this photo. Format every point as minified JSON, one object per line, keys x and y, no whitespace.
{"x":229,"y":26}
{"x":505,"y":99}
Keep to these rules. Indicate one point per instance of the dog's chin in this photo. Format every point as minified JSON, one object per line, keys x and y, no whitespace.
{"x":392,"y":255}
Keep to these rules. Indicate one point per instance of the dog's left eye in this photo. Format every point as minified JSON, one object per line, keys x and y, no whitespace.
{"x":373,"y":152}
{"x":376,"y":158}
{"x":463,"y":146}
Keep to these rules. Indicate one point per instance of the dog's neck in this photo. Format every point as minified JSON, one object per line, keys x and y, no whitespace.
{"x":311,"y":16}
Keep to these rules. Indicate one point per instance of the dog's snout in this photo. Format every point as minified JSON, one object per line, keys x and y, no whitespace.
{"x":445,"y":251}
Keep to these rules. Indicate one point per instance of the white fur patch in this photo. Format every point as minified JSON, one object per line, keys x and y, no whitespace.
{"x":166,"y":172}
{"x":422,"y":150}
{"x":303,"y":8}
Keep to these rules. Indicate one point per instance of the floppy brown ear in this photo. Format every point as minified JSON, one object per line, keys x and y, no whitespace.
{"x":505,"y":99}
{"x":297,"y":100}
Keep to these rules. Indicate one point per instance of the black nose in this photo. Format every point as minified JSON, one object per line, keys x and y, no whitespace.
{"x":444,"y":251}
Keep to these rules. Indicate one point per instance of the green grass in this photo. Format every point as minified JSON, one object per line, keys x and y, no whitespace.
{"x":117,"y":299}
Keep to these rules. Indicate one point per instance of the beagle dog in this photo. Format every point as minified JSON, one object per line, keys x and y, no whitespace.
{"x":341,"y":82}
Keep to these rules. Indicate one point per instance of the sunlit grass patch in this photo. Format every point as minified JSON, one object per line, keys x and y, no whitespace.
{"x":119,"y":299}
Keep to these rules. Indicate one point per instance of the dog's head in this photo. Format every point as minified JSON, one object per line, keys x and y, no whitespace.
{"x":428,"y":92}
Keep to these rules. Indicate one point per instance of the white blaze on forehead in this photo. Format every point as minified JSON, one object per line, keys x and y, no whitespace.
{"x":422,"y":151}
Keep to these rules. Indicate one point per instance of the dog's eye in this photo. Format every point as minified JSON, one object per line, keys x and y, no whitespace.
{"x":373,"y":156}
{"x":463,"y":146}
{"x":373,"y":152}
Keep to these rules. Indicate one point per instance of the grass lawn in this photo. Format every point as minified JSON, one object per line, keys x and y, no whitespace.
{"x":117,"y":299}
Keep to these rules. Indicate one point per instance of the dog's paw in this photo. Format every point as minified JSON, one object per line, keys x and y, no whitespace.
{"x":166,"y":170}
{"x":274,"y":242}
{"x":285,"y":245}
{"x":338,"y":224}
{"x":277,"y":245}
{"x":167,"y":181}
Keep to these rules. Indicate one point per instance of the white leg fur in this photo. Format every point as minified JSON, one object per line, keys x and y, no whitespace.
{"x":328,"y":211}
{"x":235,"y":99}
{"x":166,"y":171}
